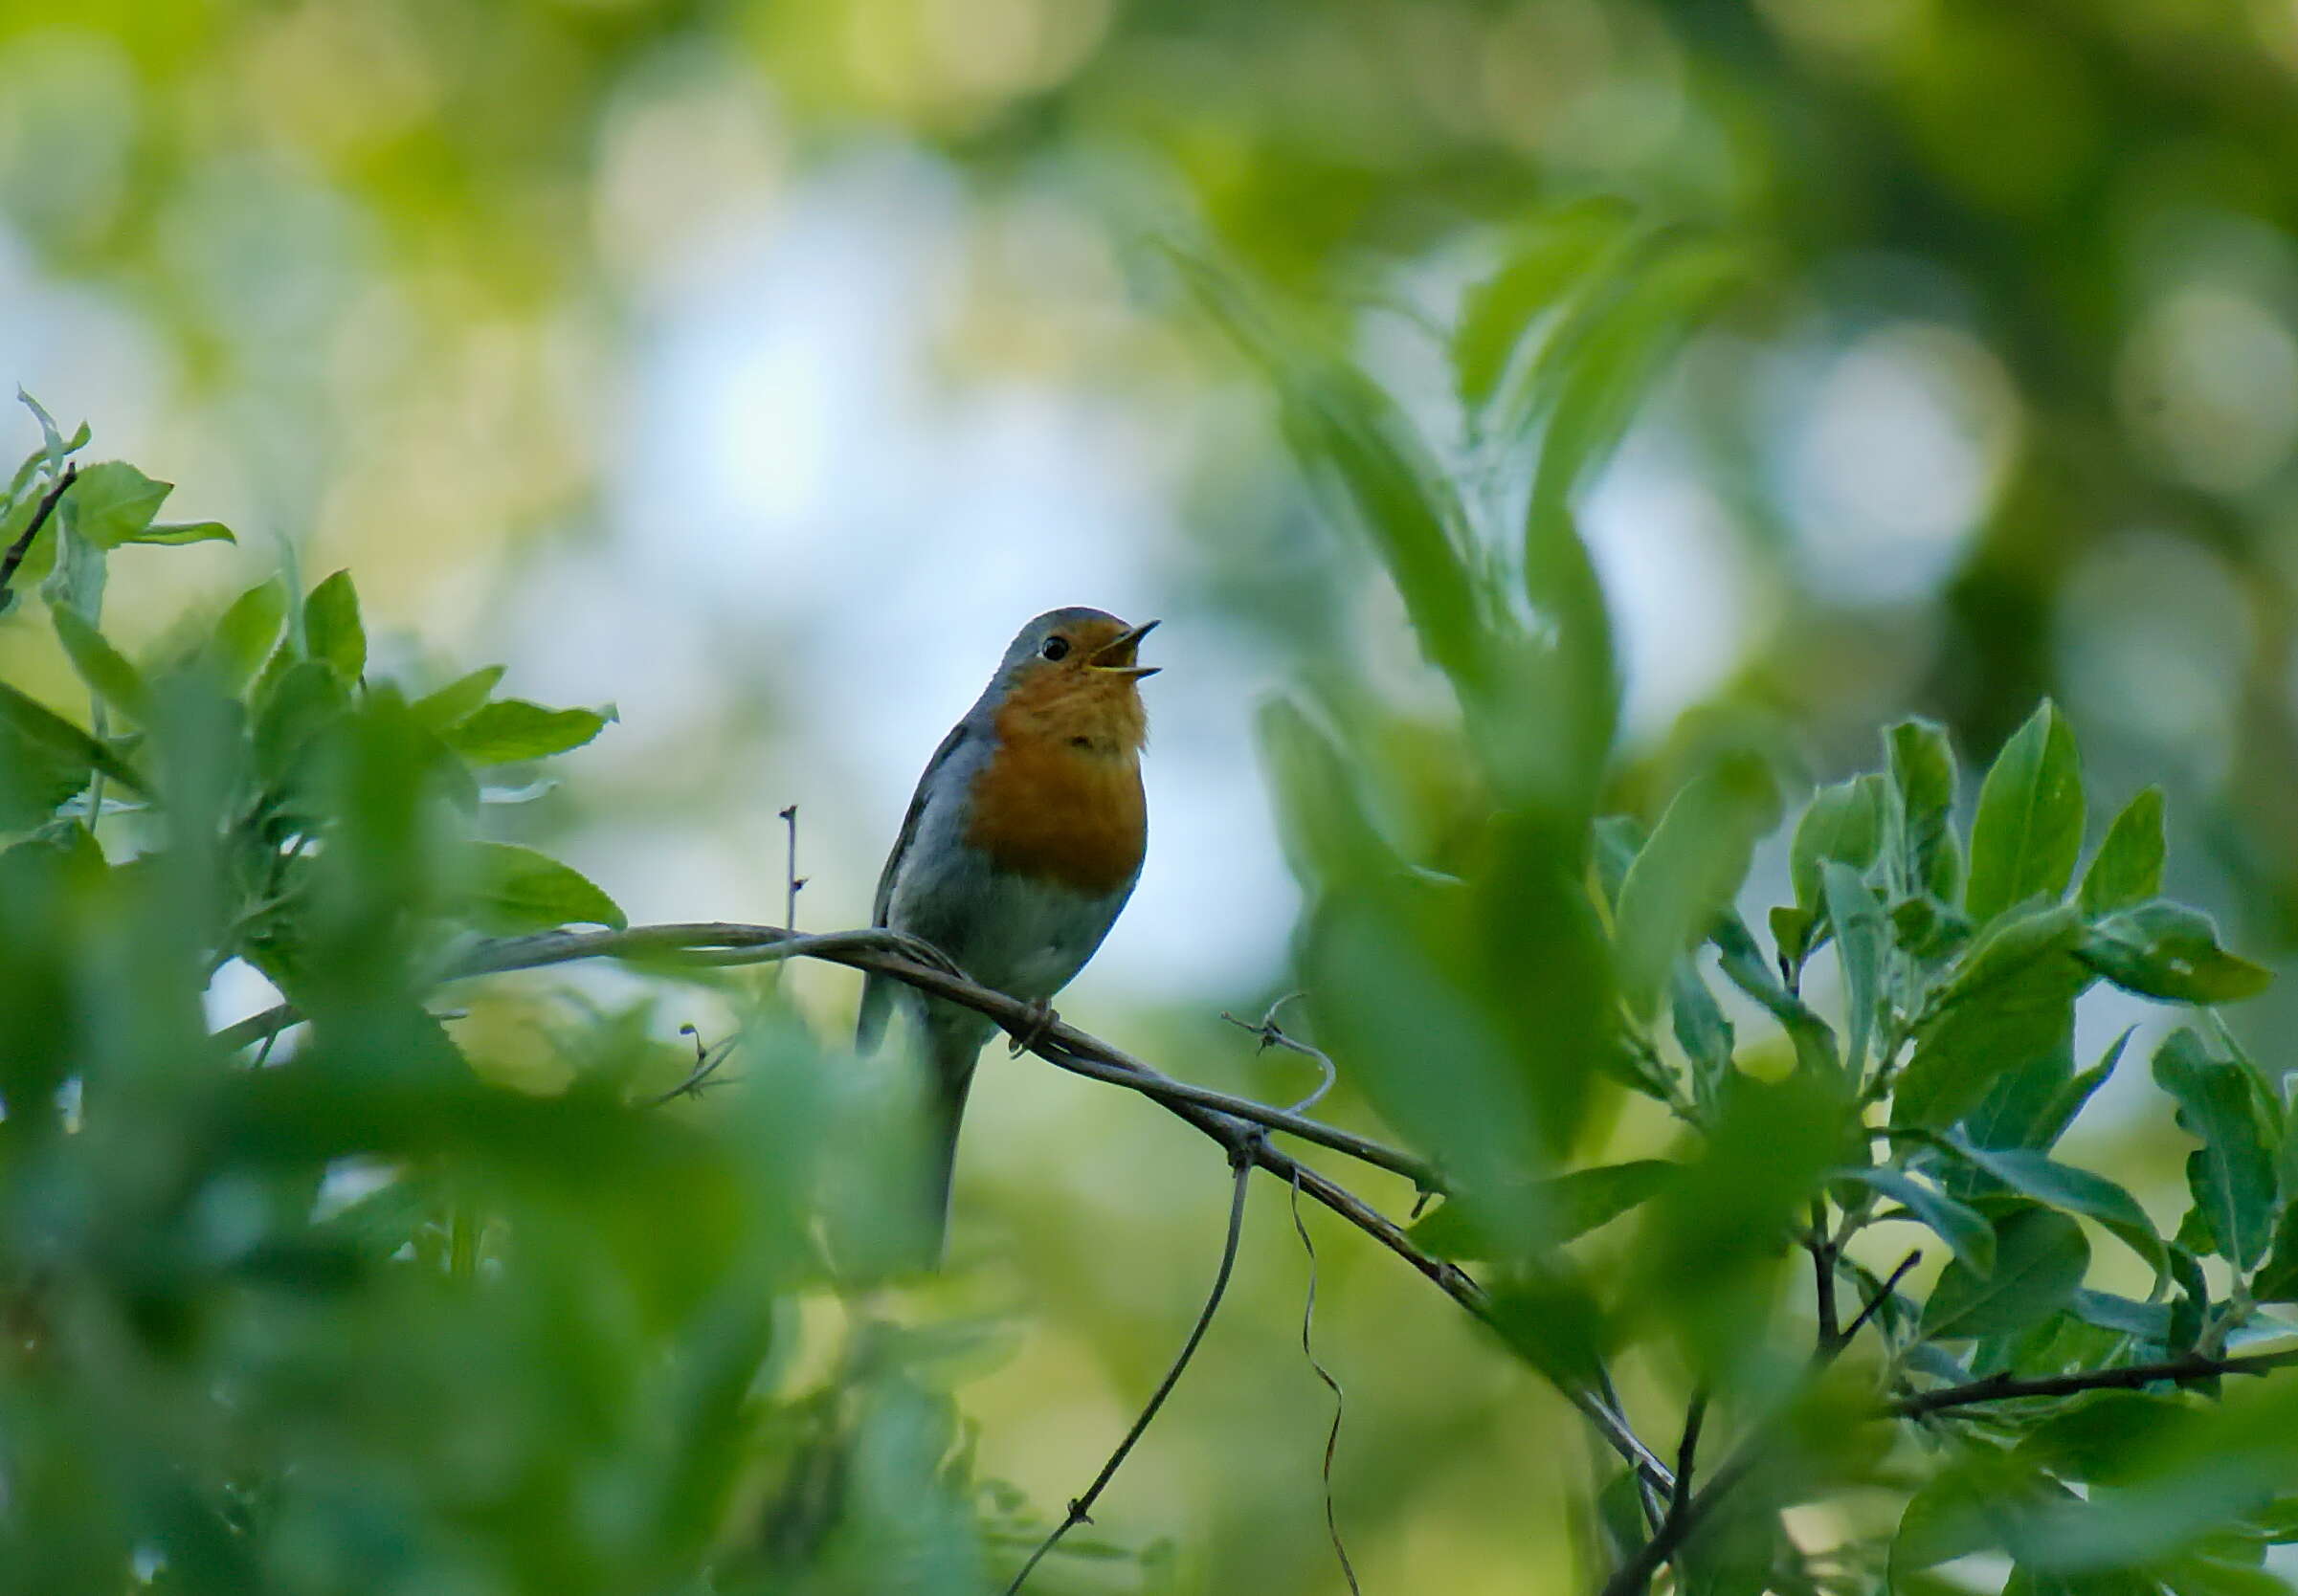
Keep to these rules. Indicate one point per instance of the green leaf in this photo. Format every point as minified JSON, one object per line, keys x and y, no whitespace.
{"x":1337,"y":420}
{"x":1860,"y":940}
{"x":35,"y":778}
{"x":245,"y":633}
{"x":1701,"y":1031}
{"x":460,"y":699}
{"x":1547,"y":268}
{"x":2029,"y":826}
{"x":1689,"y":871}
{"x":2169,"y":951}
{"x":1923,"y":777}
{"x":1570,"y":1205}
{"x":2040,"y":1260}
{"x":2149,"y":1322}
{"x":102,"y":667}
{"x":42,"y":725}
{"x":1546,"y":725}
{"x":2232,"y":1175}
{"x":1845,"y":822}
{"x":1962,"y":1227}
{"x":333,"y":632}
{"x":1928,"y":930}
{"x":76,"y":575}
{"x":2068,"y":1102}
{"x":2277,"y":1278}
{"x":174,"y":534}
{"x":292,"y":709}
{"x":2128,"y":867}
{"x":512,"y":729}
{"x":2010,"y":1000}
{"x":114,"y":504}
{"x":2106,"y":1436}
{"x":2078,"y":1191}
{"x":1743,"y":963}
{"x":515,"y":889}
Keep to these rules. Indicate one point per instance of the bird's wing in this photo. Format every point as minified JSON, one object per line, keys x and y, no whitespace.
{"x":877,"y":991}
{"x":908,"y":834}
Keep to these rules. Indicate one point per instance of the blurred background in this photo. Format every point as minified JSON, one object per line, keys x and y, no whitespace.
{"x":759,"y":368}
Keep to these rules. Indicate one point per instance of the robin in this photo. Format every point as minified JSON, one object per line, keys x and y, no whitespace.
{"x":1021,"y":844}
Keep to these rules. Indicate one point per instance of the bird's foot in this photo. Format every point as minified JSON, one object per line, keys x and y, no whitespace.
{"x":1031,"y":1030}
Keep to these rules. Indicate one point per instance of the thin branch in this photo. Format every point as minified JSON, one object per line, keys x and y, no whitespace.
{"x":790,"y":900}
{"x":1273,"y":1035}
{"x":1822,"y":1258}
{"x":905,"y":959}
{"x":707,"y":1061}
{"x":2003,"y":1387}
{"x":1634,"y":1574}
{"x":1884,"y":1293}
{"x":1686,"y":1509}
{"x":1340,"y":1398}
{"x":1687,"y":1452}
{"x":1081,"y":1509}
{"x":1230,"y":1120}
{"x":22,"y":546}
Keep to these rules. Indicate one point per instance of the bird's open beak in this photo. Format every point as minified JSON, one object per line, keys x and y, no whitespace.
{"x":1116,"y":656}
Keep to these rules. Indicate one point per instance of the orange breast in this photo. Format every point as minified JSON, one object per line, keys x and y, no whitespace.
{"x":1047,"y":806}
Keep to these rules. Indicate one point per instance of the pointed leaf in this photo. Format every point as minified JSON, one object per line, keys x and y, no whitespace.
{"x":2040,"y":1260}
{"x":1923,"y":775}
{"x":2232,"y":1175}
{"x":2078,"y":1191}
{"x":102,"y":667}
{"x":2128,"y":867}
{"x":333,"y":632}
{"x":460,"y":699}
{"x":176,"y":533}
{"x":2169,"y":951}
{"x":2011,"y":1000}
{"x":2029,"y":826}
{"x":42,"y":725}
{"x":1845,"y":822}
{"x":246,"y":632}
{"x":114,"y":502}
{"x":1860,"y":940}
{"x":1689,"y":871}
{"x":1962,"y":1227}
{"x":517,"y":889}
{"x":512,"y":729}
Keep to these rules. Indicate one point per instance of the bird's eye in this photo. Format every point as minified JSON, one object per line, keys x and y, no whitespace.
{"x":1056,"y":648}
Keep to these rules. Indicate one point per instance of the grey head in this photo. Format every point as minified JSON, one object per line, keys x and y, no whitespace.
{"x":1077,"y":632}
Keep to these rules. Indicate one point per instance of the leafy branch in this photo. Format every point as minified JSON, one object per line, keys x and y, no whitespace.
{"x":1237,"y":1123}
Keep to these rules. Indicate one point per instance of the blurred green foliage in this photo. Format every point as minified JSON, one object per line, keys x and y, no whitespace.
{"x":364,"y":1319}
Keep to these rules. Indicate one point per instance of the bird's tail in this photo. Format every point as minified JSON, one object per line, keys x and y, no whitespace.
{"x":947,"y":1041}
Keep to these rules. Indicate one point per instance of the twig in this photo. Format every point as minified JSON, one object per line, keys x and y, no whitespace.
{"x":905,"y":959}
{"x":2003,"y":1387}
{"x":1273,"y":1035}
{"x":1231,"y":1121}
{"x":1883,"y":1294}
{"x":1080,"y":1510}
{"x":1822,"y":1258}
{"x":707,"y":1061}
{"x":1634,"y":1574}
{"x":1687,"y":1451}
{"x":1687,"y":1509}
{"x":1340,"y":1398}
{"x":790,"y":900}
{"x":22,"y":546}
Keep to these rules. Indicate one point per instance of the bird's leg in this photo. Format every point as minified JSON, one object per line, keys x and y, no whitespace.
{"x":1041,"y":1018}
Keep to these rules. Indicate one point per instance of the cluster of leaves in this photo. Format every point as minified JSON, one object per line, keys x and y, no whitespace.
{"x":1493,"y":965}
{"x":348,"y":1314}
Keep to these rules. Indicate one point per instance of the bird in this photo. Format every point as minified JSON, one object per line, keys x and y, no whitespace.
{"x":1021,"y":848}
